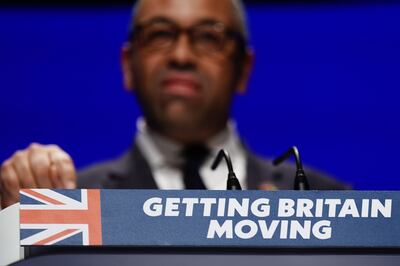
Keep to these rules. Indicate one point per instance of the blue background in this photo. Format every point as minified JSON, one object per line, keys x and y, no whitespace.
{"x":326,"y":79}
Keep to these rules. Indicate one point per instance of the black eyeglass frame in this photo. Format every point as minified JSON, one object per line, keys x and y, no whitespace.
{"x":228,"y":32}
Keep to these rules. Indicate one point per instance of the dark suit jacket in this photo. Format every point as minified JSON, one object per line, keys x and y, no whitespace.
{"x":132,"y":171}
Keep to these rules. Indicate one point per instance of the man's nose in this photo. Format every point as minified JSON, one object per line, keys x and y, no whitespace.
{"x":181,"y":54}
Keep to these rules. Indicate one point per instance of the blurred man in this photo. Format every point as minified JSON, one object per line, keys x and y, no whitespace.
{"x":184,"y":60}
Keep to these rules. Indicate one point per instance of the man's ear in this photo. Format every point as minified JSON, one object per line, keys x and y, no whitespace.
{"x":248,"y":60}
{"x":126,"y":65}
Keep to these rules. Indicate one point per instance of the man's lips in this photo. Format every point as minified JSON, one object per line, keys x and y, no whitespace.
{"x":181,"y":86}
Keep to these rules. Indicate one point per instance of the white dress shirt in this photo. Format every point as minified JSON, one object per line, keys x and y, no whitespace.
{"x":164,"y":159}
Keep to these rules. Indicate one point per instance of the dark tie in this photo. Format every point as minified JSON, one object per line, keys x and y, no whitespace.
{"x":193,"y":158}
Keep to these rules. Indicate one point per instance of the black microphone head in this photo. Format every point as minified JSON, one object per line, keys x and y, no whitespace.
{"x":217,"y":160}
{"x":300,"y":182}
{"x":222,"y":154}
{"x":233,"y":182}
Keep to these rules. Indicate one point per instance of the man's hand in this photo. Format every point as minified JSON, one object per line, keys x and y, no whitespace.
{"x":38,"y":166}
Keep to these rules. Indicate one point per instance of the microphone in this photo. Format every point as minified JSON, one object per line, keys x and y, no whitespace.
{"x":232,"y":182}
{"x":300,"y":181}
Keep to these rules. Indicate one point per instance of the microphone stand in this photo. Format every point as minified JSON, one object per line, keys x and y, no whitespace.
{"x":300,"y":181}
{"x":232,"y":182}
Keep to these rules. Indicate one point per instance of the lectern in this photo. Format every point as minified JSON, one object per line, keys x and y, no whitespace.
{"x":198,"y":227}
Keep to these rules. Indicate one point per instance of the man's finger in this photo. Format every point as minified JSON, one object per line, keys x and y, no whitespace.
{"x":9,"y":185}
{"x":23,"y":170}
{"x":53,"y":173}
{"x":40,"y":164}
{"x":65,"y":168}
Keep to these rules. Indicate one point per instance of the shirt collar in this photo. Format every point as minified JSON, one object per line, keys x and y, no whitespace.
{"x":160,"y":151}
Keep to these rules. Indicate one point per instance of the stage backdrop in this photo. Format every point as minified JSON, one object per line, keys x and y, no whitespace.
{"x":326,"y":78}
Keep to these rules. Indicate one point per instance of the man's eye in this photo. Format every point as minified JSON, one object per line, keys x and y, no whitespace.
{"x":157,"y":36}
{"x":208,"y":39}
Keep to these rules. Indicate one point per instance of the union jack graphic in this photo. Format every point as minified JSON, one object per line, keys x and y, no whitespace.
{"x":60,"y":217}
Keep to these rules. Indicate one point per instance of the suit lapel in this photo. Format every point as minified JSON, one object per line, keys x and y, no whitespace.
{"x":262,"y":175}
{"x":253,"y":171}
{"x":132,"y":172}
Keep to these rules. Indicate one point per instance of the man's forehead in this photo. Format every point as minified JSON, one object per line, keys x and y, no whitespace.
{"x":186,"y":12}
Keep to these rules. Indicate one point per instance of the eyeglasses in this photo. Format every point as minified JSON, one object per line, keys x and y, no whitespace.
{"x":208,"y":38}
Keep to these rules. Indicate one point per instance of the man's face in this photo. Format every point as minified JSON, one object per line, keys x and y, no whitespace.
{"x":184,"y":88}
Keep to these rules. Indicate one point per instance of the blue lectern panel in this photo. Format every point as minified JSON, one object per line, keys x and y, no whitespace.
{"x":204,"y":218}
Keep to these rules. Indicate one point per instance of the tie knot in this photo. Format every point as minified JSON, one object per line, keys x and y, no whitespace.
{"x":195,"y":154}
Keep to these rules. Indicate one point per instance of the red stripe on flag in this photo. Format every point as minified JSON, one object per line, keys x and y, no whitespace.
{"x":94,"y":205}
{"x":56,"y":236}
{"x":42,"y":197}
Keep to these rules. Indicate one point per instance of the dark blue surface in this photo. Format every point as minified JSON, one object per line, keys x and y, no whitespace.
{"x":326,"y":78}
{"x":28,"y":232}
{"x":213,"y":258}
